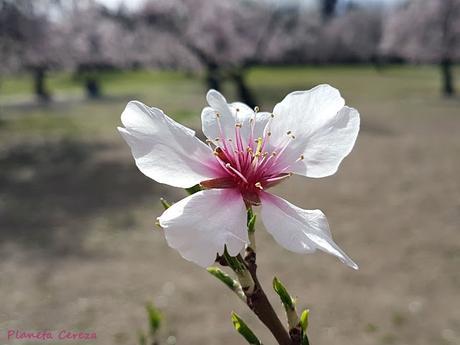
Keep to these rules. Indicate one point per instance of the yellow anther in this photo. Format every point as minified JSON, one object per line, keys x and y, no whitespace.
{"x":259,"y":145}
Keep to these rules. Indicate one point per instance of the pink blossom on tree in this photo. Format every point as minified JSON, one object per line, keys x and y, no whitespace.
{"x":426,"y":31}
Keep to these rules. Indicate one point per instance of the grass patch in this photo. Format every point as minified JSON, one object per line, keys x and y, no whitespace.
{"x":401,"y":90}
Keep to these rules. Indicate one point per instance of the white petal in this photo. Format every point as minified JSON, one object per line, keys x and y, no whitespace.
{"x":200,"y":225}
{"x":251,"y":123}
{"x":325,"y":130}
{"x":261,"y":122}
{"x":230,"y":115}
{"x":209,"y":124}
{"x":163,"y":149}
{"x":299,"y":230}
{"x":217,"y":107}
{"x":329,"y":145}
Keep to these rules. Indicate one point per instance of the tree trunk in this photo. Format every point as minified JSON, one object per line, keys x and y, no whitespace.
{"x":41,"y":92}
{"x":213,"y":77}
{"x":93,"y":88}
{"x":244,"y":92}
{"x":447,"y":78}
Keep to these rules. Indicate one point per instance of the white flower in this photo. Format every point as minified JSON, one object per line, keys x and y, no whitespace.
{"x":247,"y":152}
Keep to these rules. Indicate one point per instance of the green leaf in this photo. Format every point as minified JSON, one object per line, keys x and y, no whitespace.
{"x":194,"y":189}
{"x":244,"y":330}
{"x":304,"y":319}
{"x":155,"y":318}
{"x":286,"y":299}
{"x":165,"y":204}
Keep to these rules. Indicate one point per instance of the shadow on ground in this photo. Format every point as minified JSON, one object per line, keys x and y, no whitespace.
{"x":48,"y":190}
{"x":23,"y":106}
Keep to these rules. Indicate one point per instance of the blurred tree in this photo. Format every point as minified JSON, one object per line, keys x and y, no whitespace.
{"x":328,"y":8}
{"x":426,"y":31}
{"x":352,"y":37}
{"x":27,"y":40}
{"x":94,"y":42}
{"x":226,"y":37}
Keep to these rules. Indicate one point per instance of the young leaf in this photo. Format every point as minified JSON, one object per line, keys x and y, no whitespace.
{"x":227,"y":280}
{"x":304,"y":325}
{"x":286,"y":299}
{"x":288,"y":303}
{"x":304,"y":319}
{"x":244,"y":330}
{"x":155,"y":318}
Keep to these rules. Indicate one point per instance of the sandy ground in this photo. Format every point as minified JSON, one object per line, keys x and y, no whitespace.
{"x":79,"y":249}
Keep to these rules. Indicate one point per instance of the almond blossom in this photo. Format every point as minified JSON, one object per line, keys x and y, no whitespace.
{"x":246,"y":152}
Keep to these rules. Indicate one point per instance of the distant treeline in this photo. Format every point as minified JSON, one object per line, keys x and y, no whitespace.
{"x":221,"y":39}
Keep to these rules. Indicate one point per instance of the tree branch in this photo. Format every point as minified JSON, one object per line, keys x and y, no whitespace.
{"x":260,"y":305}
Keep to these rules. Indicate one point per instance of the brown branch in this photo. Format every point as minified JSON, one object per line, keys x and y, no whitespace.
{"x":260,"y":305}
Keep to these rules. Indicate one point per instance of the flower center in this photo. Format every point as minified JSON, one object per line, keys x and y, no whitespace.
{"x":248,"y":164}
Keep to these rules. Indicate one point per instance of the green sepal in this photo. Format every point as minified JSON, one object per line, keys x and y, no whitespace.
{"x":286,"y":299}
{"x":155,"y":318}
{"x":304,"y":319}
{"x":165,"y":203}
{"x":194,"y":189}
{"x":244,"y":330}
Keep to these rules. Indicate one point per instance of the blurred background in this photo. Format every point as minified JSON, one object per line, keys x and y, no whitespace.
{"x":78,"y":246}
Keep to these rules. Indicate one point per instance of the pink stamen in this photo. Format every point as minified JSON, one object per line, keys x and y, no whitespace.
{"x":246,"y":165}
{"x":236,"y":172}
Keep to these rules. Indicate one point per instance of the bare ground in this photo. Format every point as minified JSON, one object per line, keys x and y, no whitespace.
{"x":79,"y":249}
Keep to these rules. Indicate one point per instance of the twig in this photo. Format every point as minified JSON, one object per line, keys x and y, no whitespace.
{"x":260,"y":305}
